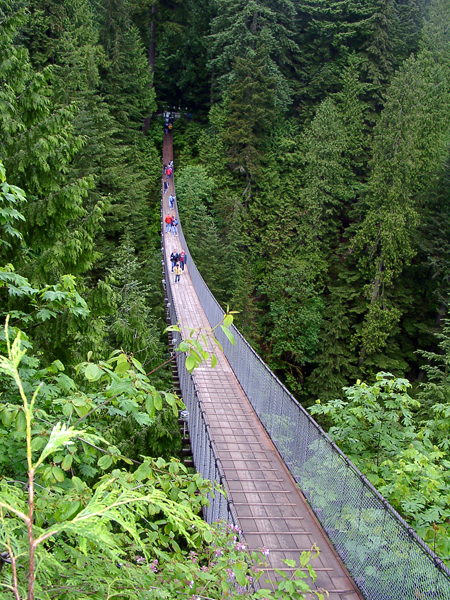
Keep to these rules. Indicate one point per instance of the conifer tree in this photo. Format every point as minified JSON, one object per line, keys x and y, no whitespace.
{"x":132,"y":326}
{"x":251,"y":104}
{"x":408,"y":149}
{"x":327,"y":34}
{"x":38,"y":144}
{"x":237,"y":29}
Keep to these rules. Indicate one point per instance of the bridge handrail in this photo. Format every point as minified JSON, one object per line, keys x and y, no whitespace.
{"x":384,"y":555}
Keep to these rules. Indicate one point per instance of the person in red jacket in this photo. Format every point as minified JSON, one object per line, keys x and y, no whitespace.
{"x":168,"y":221}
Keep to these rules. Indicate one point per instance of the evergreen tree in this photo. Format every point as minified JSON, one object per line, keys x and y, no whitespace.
{"x":236,"y":32}
{"x":408,"y":148}
{"x":132,"y":326}
{"x":408,"y":27}
{"x":180,"y":31}
{"x":327,"y":34}
{"x":251,"y":107}
{"x":38,"y":144}
{"x":437,"y":389}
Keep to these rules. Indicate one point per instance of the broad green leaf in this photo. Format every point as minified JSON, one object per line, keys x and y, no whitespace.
{"x":172,"y":328}
{"x":289,"y":562}
{"x":240,"y":577}
{"x":44,"y":314}
{"x":37,"y":443}
{"x":207,"y":536}
{"x":183,"y":347}
{"x":67,"y":409}
{"x":191,"y":363}
{"x":137,"y":365}
{"x":304,"y":558}
{"x":143,"y":471}
{"x":68,"y":510}
{"x":213,"y":360}
{"x":228,"y":320}
{"x":197,"y":345}
{"x":77,"y":484}
{"x":196,"y":356}
{"x":7,"y":417}
{"x":149,"y":405}
{"x":157,"y":400}
{"x":142,"y":418}
{"x":174,"y":467}
{"x":122,"y":365}
{"x":82,"y":410}
{"x":57,"y":366}
{"x":228,"y":334}
{"x":311,"y":572}
{"x":105,"y":461}
{"x":58,"y":474}
{"x":93,"y":372}
{"x":21,"y":421}
{"x":67,"y":462}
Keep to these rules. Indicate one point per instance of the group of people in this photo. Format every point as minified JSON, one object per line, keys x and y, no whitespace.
{"x":171,"y":224}
{"x":178,"y":260}
{"x":168,"y":171}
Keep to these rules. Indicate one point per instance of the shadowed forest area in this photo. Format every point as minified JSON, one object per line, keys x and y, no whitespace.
{"x":312,"y":177}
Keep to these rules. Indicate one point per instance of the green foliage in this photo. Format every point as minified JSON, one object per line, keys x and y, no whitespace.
{"x":38,"y":143}
{"x":407,"y":461}
{"x":10,"y":197}
{"x":195,"y":350}
{"x":134,"y":531}
{"x":293,"y":586}
{"x":374,"y":422}
{"x":434,"y":395}
{"x":314,"y":199}
{"x":247,"y":29}
{"x":294,"y":317}
{"x":133,"y":325}
{"x":409,"y":145}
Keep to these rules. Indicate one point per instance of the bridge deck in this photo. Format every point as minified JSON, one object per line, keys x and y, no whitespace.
{"x":271,"y":509}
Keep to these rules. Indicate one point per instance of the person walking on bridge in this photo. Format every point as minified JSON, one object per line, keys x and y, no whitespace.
{"x":168,"y":222}
{"x":174,"y":258}
{"x":183,"y":259}
{"x":177,"y":272}
{"x":174,"y":226}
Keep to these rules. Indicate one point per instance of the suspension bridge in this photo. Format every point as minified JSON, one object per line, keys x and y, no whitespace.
{"x":288,"y":485}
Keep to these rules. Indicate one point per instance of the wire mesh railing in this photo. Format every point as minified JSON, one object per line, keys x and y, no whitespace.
{"x":385,"y":557}
{"x":204,"y":454}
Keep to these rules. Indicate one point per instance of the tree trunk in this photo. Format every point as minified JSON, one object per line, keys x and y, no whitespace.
{"x":151,"y":62}
{"x":151,"y":49}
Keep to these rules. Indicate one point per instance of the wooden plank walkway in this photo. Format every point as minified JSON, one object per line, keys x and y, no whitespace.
{"x":271,"y":509}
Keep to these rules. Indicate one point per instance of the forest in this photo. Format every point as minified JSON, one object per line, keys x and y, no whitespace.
{"x":313,"y":181}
